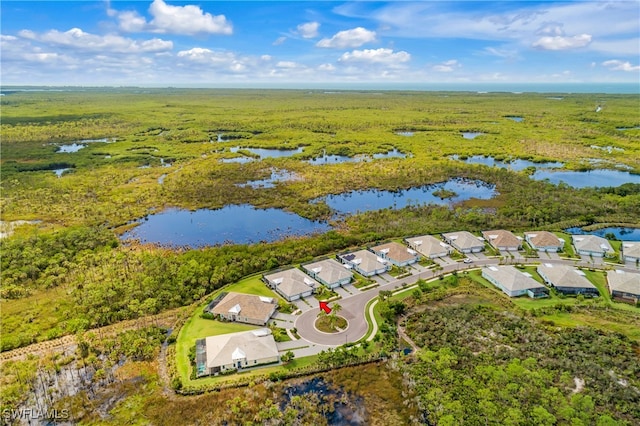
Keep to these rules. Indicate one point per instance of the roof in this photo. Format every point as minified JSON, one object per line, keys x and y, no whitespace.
{"x":511,"y":279}
{"x":626,"y":282}
{"x":329,"y":270}
{"x":464,"y":239}
{"x":565,"y":276}
{"x":428,"y":245}
{"x":501,"y":238}
{"x":292,"y":281}
{"x":591,"y":243}
{"x":544,"y":239}
{"x":631,"y":249}
{"x":365,"y":260}
{"x":248,"y":305}
{"x":252,"y":345}
{"x":395,"y":251}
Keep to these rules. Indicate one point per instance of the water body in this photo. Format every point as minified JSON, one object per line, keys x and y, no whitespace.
{"x":269,"y":153}
{"x":74,"y":147}
{"x":162,"y":178}
{"x":627,"y":128}
{"x":237,"y":224}
{"x":59,"y":172}
{"x":375,"y":199}
{"x":336,"y":159}
{"x":623,"y":234}
{"x":516,"y":165}
{"x":607,"y":148}
{"x":394,"y":153}
{"x":276,"y":176}
{"x":405,"y":133}
{"x":471,"y":135}
{"x":239,"y":160}
{"x":588,"y":179}
{"x":514,"y":118}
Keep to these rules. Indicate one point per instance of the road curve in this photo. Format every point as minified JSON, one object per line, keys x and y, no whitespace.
{"x":353,"y":307}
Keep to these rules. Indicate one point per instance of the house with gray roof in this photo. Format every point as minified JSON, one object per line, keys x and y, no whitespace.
{"x":292,"y":284}
{"x":429,"y":246}
{"x":329,"y":272}
{"x":464,"y":241}
{"x":513,"y":282}
{"x":501,"y":239}
{"x":396,"y":253}
{"x":246,"y":308}
{"x":592,"y":245}
{"x":567,"y":279}
{"x":630,"y":251}
{"x":544,"y":241}
{"x":624,"y":285}
{"x":235,"y":351}
{"x":365,"y":263}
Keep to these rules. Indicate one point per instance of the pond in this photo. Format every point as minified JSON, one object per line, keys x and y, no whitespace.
{"x":237,"y":224}
{"x":162,"y":178}
{"x":269,"y":153}
{"x":588,"y":179}
{"x":622,"y":129}
{"x":375,"y":199}
{"x":78,"y":145}
{"x":515,"y":118}
{"x":471,"y":135}
{"x":621,"y":233}
{"x":394,"y":153}
{"x":516,"y":165}
{"x":276,"y":176}
{"x":337,"y":159}
{"x":59,"y":172}
{"x":239,"y":160}
{"x":405,"y":133}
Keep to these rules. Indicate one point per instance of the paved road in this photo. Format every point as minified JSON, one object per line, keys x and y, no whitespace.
{"x":353,"y":307}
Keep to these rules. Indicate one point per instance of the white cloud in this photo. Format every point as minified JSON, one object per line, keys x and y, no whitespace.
{"x":279,"y":41}
{"x":326,"y":67}
{"x":617,"y":65}
{"x":218,"y":60}
{"x":447,"y":66}
{"x":562,"y":43}
{"x":287,"y":64}
{"x":355,"y":37}
{"x":376,"y":56}
{"x":168,"y":19}
{"x":77,"y":39}
{"x":308,"y":29}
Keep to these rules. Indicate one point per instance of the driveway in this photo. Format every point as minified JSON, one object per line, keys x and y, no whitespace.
{"x":283,"y":320}
{"x":305,"y":305}
{"x":344,"y":292}
{"x":444,"y":261}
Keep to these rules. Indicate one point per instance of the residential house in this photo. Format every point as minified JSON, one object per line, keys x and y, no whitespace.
{"x":592,"y":245}
{"x":567,"y":279}
{"x":429,"y":246}
{"x":513,"y":282}
{"x":544,"y":241}
{"x":246,"y":308}
{"x":329,"y":272}
{"x":365,"y":263}
{"x":624,"y":285}
{"x":292,"y":284}
{"x":235,"y":351}
{"x":502,"y":240}
{"x":396,"y":253}
{"x":630,"y":251}
{"x":464,"y":241}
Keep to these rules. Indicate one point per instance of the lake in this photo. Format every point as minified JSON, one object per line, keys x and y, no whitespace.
{"x":471,"y":135}
{"x":237,"y":224}
{"x":374,"y":199}
{"x":276,"y":176}
{"x":516,"y":165}
{"x":588,"y":179}
{"x":623,"y":234}
{"x":269,"y":153}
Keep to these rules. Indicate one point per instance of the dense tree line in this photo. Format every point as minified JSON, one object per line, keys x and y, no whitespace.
{"x":482,"y":365}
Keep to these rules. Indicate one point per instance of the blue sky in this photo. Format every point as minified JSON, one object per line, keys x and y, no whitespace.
{"x":163,"y":42}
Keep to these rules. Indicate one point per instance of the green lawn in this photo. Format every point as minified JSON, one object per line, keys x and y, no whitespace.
{"x":252,"y":285}
{"x":568,"y":248}
{"x":565,"y":319}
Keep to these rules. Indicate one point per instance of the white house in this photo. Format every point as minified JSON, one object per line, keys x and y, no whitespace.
{"x":502,"y":240}
{"x":292,"y":284}
{"x":235,"y":351}
{"x":544,"y":241}
{"x":513,"y":282}
{"x":464,"y":241}
{"x":592,"y":245}
{"x":396,"y":253}
{"x":567,"y":279}
{"x":246,"y":308}
{"x":630,"y":251}
{"x":429,"y":246}
{"x":624,"y":285}
{"x":329,"y":272}
{"x":366,"y":263}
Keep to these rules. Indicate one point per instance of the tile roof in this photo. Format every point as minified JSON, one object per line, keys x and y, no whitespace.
{"x":247,"y":305}
{"x":329,"y":270}
{"x":626,"y":282}
{"x":544,"y":239}
{"x":501,"y":238}
{"x":395,"y":251}
{"x":292,"y":281}
{"x":511,"y":278}
{"x":591,"y":243}
{"x":252,"y":345}
{"x":564,"y":276}
{"x":429,"y":245}
{"x":464,"y":240}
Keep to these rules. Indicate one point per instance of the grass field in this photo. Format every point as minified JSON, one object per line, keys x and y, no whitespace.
{"x":252,"y":285}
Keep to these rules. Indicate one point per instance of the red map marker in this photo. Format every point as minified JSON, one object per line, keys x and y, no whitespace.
{"x":325,"y":307}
